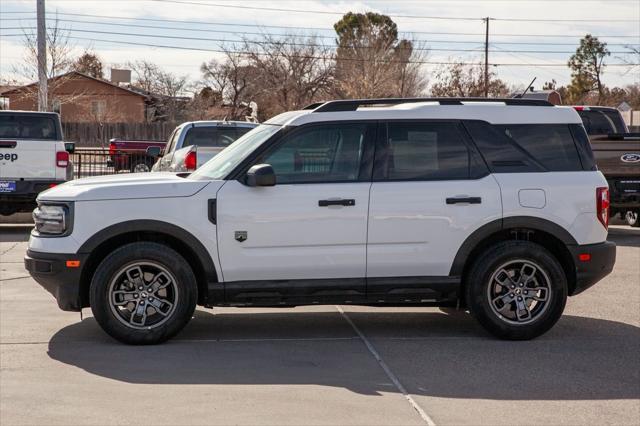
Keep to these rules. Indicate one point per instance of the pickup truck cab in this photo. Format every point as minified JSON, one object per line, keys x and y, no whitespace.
{"x":32,"y":158}
{"x":195,"y":142}
{"x":617,"y":154}
{"x":492,"y":204}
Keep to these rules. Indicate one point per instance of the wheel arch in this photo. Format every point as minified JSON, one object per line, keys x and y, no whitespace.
{"x":185,"y":243}
{"x":550,"y":235}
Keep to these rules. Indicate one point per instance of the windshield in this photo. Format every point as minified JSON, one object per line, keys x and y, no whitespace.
{"x":222,"y":164}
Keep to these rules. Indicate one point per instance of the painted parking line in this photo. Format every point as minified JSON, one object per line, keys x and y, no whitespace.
{"x":427,"y":419}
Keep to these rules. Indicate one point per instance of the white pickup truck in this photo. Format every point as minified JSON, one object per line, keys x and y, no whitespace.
{"x":33,"y":157}
{"x":195,"y":142}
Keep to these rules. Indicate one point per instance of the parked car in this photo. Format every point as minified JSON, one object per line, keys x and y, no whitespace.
{"x":194,"y":143}
{"x":132,"y":155}
{"x":617,"y":154}
{"x":496,"y":206}
{"x":33,"y":157}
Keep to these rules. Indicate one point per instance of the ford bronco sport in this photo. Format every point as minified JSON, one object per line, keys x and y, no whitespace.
{"x":493,"y":204}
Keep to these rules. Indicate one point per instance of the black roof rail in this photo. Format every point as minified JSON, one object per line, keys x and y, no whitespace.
{"x":353,"y":104}
{"x":314,"y":105}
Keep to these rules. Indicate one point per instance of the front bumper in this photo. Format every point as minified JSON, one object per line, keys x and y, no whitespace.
{"x":601,"y":258}
{"x":51,"y":272}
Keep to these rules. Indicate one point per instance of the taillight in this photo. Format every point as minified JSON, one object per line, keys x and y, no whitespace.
{"x":112,"y":148}
{"x":190,"y":161}
{"x":62,"y":158}
{"x":602,"y":206}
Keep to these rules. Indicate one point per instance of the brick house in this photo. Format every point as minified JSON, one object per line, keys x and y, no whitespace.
{"x":81,"y":98}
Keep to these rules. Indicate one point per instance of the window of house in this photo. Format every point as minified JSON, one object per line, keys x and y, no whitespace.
{"x":56,"y":106}
{"x":98,"y":108}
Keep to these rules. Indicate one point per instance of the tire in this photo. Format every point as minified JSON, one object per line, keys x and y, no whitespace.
{"x":137,"y":274}
{"x":632,"y":217}
{"x":140,"y":167}
{"x":500,"y":309}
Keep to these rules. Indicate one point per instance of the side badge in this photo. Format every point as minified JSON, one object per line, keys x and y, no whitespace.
{"x":241,"y":236}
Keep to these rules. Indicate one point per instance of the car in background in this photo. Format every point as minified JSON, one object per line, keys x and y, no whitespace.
{"x":617,"y":154}
{"x":131,"y":155}
{"x":33,"y":158}
{"x":195,"y":142}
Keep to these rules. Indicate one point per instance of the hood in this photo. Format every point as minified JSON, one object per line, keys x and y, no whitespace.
{"x":124,"y":186}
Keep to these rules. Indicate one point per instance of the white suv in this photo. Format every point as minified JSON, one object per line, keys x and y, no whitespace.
{"x":492,"y":204}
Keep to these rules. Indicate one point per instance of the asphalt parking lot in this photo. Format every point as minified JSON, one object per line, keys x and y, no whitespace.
{"x":322,"y":364}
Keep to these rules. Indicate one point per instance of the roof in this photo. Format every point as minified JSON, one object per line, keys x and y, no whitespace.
{"x":21,"y":88}
{"x":495,"y":111}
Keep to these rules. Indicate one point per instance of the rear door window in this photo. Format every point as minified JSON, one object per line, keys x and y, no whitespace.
{"x":423,"y":151}
{"x":27,"y":127}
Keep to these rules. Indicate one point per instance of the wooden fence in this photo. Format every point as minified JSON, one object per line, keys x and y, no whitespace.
{"x":98,"y":135}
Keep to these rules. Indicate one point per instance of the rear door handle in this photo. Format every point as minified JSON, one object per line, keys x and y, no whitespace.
{"x":466,"y":200}
{"x":342,"y":202}
{"x":8,"y":144}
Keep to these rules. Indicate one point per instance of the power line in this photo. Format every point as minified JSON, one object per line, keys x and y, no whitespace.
{"x":292,"y":43}
{"x":128,"y":25}
{"x":319,"y":57}
{"x":393,"y":15}
{"x":313,"y":28}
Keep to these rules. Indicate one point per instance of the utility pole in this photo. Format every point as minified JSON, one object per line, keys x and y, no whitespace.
{"x":486,"y":58}
{"x":42,"y":56}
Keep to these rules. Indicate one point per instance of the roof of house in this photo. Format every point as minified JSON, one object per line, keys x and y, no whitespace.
{"x":19,"y":88}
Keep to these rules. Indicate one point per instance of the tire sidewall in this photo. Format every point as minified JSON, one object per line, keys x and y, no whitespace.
{"x":169,"y":259}
{"x":479,"y":281}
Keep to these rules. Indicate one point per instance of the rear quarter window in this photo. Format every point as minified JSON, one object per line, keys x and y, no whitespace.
{"x":27,"y":127}
{"x":520,"y":148}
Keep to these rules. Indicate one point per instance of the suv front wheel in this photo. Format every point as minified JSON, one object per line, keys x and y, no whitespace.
{"x":143,"y":293}
{"x":517,"y":290}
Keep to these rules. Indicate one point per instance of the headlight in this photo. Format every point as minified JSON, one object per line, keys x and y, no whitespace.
{"x":51,"y":219}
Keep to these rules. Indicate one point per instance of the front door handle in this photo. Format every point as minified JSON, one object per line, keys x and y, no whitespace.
{"x":341,"y":202}
{"x":466,"y":200}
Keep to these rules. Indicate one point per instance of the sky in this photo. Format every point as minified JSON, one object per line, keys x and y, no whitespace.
{"x":522,"y":32}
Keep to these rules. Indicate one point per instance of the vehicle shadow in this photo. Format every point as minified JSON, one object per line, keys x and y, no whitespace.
{"x":436,"y":354}
{"x":627,"y":237}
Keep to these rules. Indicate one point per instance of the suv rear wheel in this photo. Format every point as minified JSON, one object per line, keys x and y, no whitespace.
{"x":517,"y":290}
{"x":143,"y":293}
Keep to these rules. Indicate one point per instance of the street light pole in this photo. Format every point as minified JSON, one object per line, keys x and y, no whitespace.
{"x":42,"y":56}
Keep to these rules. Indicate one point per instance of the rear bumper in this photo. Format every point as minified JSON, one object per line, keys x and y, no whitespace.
{"x":51,"y":272}
{"x":625,"y":192}
{"x":23,"y":199}
{"x":602,"y":257}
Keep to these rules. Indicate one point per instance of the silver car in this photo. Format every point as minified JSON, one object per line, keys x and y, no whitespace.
{"x":195,"y":142}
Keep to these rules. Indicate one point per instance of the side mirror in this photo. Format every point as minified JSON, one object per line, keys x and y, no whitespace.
{"x":70,"y":147}
{"x":261,"y":175}
{"x":153,"y":151}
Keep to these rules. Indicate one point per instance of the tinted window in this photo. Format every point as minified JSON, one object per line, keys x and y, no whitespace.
{"x":212,"y":136}
{"x":601,"y":122}
{"x":327,"y":153}
{"x":499,"y":151}
{"x":27,"y":127}
{"x":549,"y":144}
{"x":425,"y":151}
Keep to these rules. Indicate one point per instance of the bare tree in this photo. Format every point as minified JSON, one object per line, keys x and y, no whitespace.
{"x":293,"y":71}
{"x":230,"y":78}
{"x":462,"y":80}
{"x":59,"y":61}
